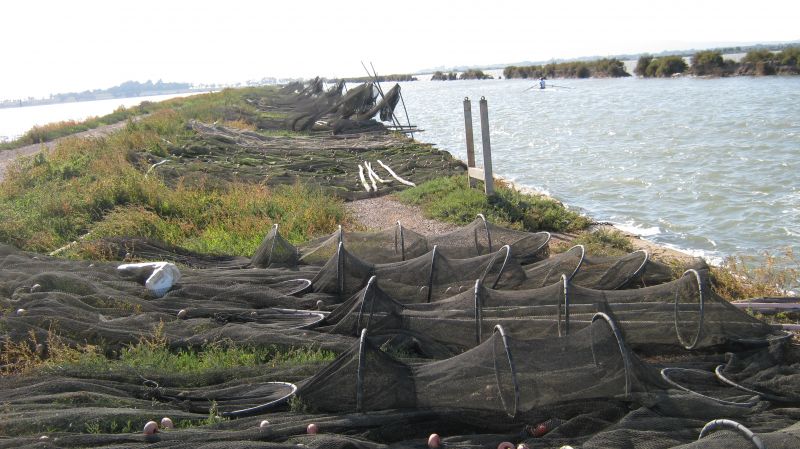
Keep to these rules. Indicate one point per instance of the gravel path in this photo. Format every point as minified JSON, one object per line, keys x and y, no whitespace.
{"x":8,"y":157}
{"x":383,"y":212}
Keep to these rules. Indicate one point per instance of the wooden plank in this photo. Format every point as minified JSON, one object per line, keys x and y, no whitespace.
{"x":470,"y":140}
{"x":487,"y":148}
{"x":476,"y":172}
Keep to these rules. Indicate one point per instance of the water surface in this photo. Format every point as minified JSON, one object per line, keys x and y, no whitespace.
{"x":709,"y":166}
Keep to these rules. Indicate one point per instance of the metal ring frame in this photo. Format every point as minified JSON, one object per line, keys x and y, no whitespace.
{"x":626,"y":361}
{"x":399,"y":232}
{"x":430,"y":275}
{"x":513,"y":412}
{"x":478,"y":313}
{"x":272,"y":247}
{"x":730,"y":424}
{"x":368,"y":293}
{"x":362,"y":360}
{"x":636,"y":272}
{"x":320,"y":315}
{"x":770,"y":397}
{"x":565,"y":283}
{"x":263,"y":407}
{"x":665,"y":375}
{"x":488,"y":234}
{"x":696,"y":338}
{"x":502,"y":267}
{"x":340,"y":268}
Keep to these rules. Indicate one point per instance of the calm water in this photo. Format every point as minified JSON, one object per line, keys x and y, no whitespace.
{"x":16,"y":121}
{"x":709,"y":166}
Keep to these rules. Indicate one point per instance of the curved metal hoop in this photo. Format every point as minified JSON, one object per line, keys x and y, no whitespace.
{"x":399,"y":232}
{"x":696,"y":338}
{"x":340,"y":267}
{"x":369,"y":296}
{"x":430,"y":275}
{"x":488,"y":234}
{"x":478,"y":313}
{"x":502,"y":267}
{"x":770,"y":397}
{"x":626,"y":361}
{"x":513,"y":411}
{"x":730,"y":424}
{"x":272,"y":247}
{"x":263,"y":407}
{"x":565,"y":283}
{"x":636,"y":272}
{"x":362,"y":361}
{"x":665,"y":375}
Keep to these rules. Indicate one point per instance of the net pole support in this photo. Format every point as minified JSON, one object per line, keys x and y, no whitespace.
{"x":488,"y":234}
{"x":272,"y":247}
{"x":487,"y":148}
{"x":470,"y":139}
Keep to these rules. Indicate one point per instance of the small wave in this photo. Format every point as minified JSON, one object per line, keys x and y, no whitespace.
{"x":632,"y":228}
{"x":711,"y":257}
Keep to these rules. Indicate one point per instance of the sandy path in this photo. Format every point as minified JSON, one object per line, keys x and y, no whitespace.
{"x":8,"y":157}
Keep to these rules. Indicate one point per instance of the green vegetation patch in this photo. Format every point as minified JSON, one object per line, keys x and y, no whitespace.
{"x":450,"y":199}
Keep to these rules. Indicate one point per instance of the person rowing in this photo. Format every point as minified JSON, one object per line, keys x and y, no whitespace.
{"x":541,"y":83}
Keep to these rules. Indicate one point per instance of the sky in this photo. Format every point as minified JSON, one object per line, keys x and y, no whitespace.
{"x":66,"y":46}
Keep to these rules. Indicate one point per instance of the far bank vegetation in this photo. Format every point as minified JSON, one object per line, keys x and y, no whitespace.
{"x":711,"y":63}
{"x":471,"y":74}
{"x":601,"y":68}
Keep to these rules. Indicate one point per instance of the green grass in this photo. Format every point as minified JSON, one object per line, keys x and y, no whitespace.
{"x":450,"y":200}
{"x":604,"y":242}
{"x":100,"y":187}
{"x":152,"y":356}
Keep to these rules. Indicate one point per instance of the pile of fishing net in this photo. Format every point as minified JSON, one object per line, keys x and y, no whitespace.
{"x":480,"y":336}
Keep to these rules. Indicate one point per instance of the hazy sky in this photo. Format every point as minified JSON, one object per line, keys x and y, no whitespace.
{"x":61,"y":46}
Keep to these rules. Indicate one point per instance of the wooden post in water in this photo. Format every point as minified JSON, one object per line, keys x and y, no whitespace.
{"x":470,"y":140}
{"x":487,"y":148}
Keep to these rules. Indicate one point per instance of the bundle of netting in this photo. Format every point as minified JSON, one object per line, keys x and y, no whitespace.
{"x":426,"y":278}
{"x":503,"y":374}
{"x":97,"y":303}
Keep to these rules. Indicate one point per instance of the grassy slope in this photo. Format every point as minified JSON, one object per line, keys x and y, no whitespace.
{"x":100,"y":187}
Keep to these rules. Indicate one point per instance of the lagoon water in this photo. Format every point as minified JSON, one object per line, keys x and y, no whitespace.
{"x":16,"y":121}
{"x":709,"y":166}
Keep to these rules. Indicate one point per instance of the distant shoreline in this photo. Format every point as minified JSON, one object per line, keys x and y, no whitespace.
{"x":8,"y":104}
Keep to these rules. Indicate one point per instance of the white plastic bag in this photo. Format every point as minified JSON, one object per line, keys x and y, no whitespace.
{"x":163,"y":275}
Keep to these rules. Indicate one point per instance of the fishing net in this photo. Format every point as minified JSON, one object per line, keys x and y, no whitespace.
{"x":400,"y":243}
{"x":479,"y":349}
{"x":214,"y":156}
{"x":668,"y":318}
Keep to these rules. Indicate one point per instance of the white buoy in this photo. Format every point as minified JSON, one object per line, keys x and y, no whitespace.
{"x":166,"y":423}
{"x":36,"y":288}
{"x":182,"y":314}
{"x":505,"y":445}
{"x":434,"y":441}
{"x":264,"y":424}
{"x":150,"y":428}
{"x":312,"y":429}
{"x":21,"y":312}
{"x":523,"y":446}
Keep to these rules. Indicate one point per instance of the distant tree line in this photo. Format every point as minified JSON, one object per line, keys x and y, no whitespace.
{"x":711,"y":63}
{"x":470,"y":74}
{"x":382,"y":78}
{"x":125,"y":90}
{"x":601,"y":68}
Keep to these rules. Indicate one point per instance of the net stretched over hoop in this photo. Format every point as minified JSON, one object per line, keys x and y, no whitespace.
{"x":399,"y":243}
{"x":502,"y":375}
{"x":682,"y":314}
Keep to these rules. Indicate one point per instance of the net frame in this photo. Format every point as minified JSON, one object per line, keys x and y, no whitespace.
{"x":719,"y":424}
